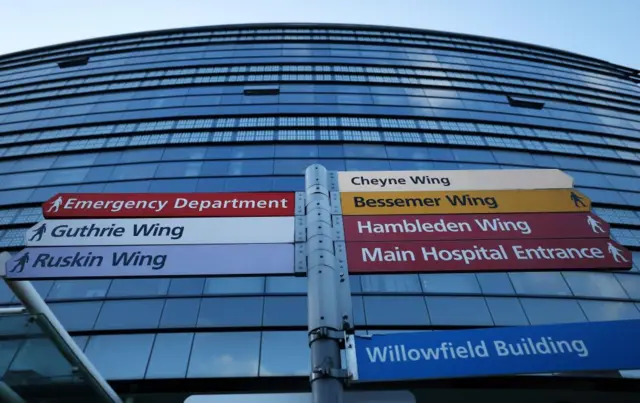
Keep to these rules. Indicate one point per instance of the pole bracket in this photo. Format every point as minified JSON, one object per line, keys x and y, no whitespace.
{"x":324,"y":371}
{"x":327,"y":333}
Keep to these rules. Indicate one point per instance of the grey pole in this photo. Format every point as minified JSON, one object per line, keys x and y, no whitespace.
{"x":325,"y":322}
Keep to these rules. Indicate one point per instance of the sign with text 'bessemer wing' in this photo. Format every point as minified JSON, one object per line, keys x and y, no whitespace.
{"x":460,"y":202}
{"x":162,"y":231}
{"x":144,"y":261}
{"x":473,"y":227}
{"x":487,"y":255}
{"x":595,"y":346}
{"x":490,"y":179}
{"x":138,"y":205}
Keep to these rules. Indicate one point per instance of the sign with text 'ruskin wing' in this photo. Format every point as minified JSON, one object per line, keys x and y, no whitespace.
{"x":473,"y":226}
{"x":460,"y":202}
{"x":594,"y":346}
{"x":489,"y":179}
{"x":147,"y":261}
{"x":487,"y":255}
{"x":139,"y":205}
{"x":162,"y":231}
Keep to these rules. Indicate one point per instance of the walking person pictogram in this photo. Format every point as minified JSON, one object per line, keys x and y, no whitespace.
{"x":595,"y":225}
{"x":19,"y":267}
{"x":577,"y":200}
{"x":616,"y":253}
{"x":39,"y":233}
{"x":55,"y":205}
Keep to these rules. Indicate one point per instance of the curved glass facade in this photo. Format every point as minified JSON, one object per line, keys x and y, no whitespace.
{"x":247,"y":108}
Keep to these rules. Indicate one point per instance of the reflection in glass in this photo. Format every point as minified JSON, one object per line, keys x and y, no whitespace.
{"x":400,"y":283}
{"x":495,"y":283}
{"x":180,"y":312}
{"x":396,"y":311}
{"x":542,"y":311}
{"x":609,"y":310}
{"x":170,"y":355}
{"x":286,"y":285}
{"x":232,"y":311}
{"x":121,"y":356}
{"x":586,"y":284}
{"x":285,"y":311}
{"x":551,"y":283}
{"x":77,"y":315}
{"x":458,"y":311}
{"x":507,"y":312}
{"x":130,"y":314}
{"x":284,"y":354}
{"x":139,"y":287}
{"x":222,"y":355}
{"x":450,"y":283}
{"x":234,"y":285}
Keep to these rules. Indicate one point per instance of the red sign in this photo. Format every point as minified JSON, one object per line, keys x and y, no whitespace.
{"x":487,"y":255}
{"x":140,"y":205}
{"x":473,"y":226}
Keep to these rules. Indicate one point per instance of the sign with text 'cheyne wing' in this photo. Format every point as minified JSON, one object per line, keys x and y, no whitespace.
{"x":148,"y":261}
{"x":139,"y":205}
{"x":595,"y":346}
{"x":473,"y":227}
{"x":162,"y":231}
{"x":490,"y":179}
{"x":487,"y":255}
{"x":461,"y":202}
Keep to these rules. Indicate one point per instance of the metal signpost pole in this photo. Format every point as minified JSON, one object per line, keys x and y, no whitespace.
{"x":325,"y":322}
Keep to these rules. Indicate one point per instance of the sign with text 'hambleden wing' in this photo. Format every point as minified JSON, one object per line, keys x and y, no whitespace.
{"x":147,"y":261}
{"x":162,"y":231}
{"x":595,"y":346}
{"x":462,"y":202}
{"x":138,"y":205}
{"x":487,"y":255}
{"x":473,"y":227}
{"x":490,"y":179}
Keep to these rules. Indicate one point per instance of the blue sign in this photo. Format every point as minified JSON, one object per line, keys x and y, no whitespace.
{"x":498,"y":351}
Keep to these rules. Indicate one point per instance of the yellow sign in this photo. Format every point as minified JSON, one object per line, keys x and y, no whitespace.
{"x":459,"y":202}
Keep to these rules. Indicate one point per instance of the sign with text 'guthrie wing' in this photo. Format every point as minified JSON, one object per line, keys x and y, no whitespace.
{"x":138,"y":205}
{"x":162,"y":231}
{"x":595,"y":346}
{"x":473,"y":227}
{"x":487,"y":255}
{"x":462,"y":202}
{"x":491,"y":179}
{"x":148,"y":261}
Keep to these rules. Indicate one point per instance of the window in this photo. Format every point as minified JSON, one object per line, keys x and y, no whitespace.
{"x":609,"y":310}
{"x":78,"y":289}
{"x":74,"y":62}
{"x":130,"y":314}
{"x":262,"y":90}
{"x":285,"y":311}
{"x":77,"y":315}
{"x":186,"y":286}
{"x":450,"y":283}
{"x":507,"y":312}
{"x":234,"y":285}
{"x":139,"y":287}
{"x":463,"y":311}
{"x":108,"y":353}
{"x":631,"y":283}
{"x":296,"y":360}
{"x":396,"y":311}
{"x":549,"y":311}
{"x":230,"y":312}
{"x":524,"y":102}
{"x":224,"y":355}
{"x":286,"y":285}
{"x":495,"y":283}
{"x":170,"y":355}
{"x":390,"y":283}
{"x":180,"y":312}
{"x":587,"y":284}
{"x":551,"y":283}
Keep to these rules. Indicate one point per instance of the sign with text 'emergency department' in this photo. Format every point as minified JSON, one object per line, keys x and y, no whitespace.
{"x":487,"y":255}
{"x":162,"y":231}
{"x":146,"y":261}
{"x":140,"y":205}
{"x":473,"y":226}
{"x":490,"y":179}
{"x":462,"y":202}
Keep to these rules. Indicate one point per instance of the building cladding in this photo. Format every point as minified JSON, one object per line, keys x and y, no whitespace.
{"x":247,"y":108}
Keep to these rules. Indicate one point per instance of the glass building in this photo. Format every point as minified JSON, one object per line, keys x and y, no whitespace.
{"x":247,"y":108}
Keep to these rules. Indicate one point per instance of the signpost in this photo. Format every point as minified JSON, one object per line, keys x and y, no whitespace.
{"x":147,"y":261}
{"x":163,"y":231}
{"x":487,"y":255}
{"x":472,"y":227}
{"x":490,"y":179}
{"x":594,"y":346}
{"x":461,"y":202}
{"x":139,"y":205}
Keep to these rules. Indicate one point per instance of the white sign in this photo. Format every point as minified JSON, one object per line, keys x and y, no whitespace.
{"x":163,"y":231}
{"x":491,"y":179}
